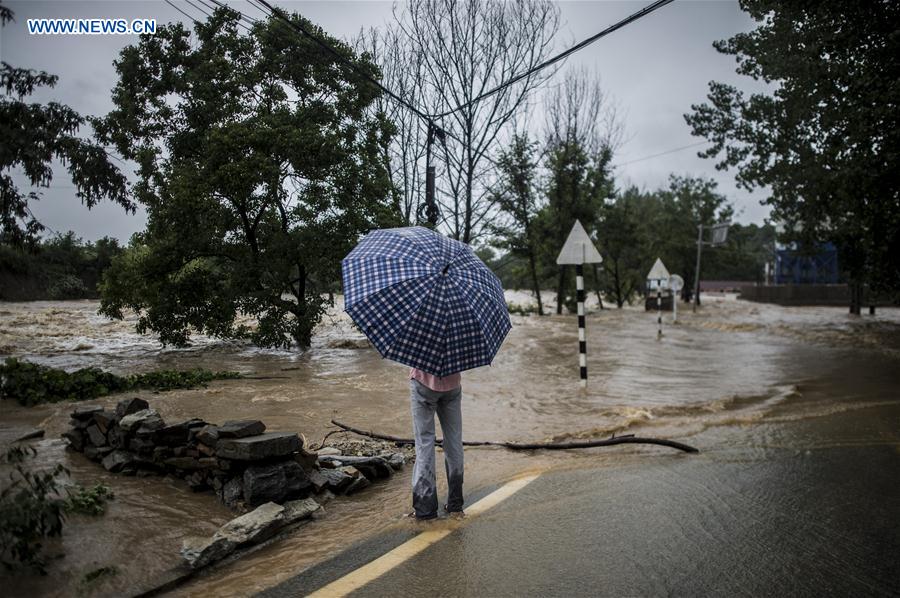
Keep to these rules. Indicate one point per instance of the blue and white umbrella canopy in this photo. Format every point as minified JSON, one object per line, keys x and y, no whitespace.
{"x":425,"y":300}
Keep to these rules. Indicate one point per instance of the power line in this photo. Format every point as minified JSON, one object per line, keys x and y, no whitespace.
{"x":328,"y":48}
{"x":612,"y":28}
{"x":671,"y":151}
{"x":249,"y":19}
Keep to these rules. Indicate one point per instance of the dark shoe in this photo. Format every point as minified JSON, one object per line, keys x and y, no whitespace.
{"x":455,"y":514}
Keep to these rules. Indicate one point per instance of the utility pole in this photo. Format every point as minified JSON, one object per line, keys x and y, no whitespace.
{"x":697,"y":269}
{"x":718,"y":237}
{"x":431,"y":211}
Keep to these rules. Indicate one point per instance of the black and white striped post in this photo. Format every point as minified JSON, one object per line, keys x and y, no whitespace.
{"x":582,"y":342}
{"x":658,"y":278}
{"x":579,"y":250}
{"x":658,"y":312}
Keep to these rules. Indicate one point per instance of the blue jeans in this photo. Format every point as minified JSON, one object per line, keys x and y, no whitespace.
{"x":448,"y":406}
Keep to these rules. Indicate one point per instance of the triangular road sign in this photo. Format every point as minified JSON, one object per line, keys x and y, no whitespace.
{"x":578,"y":249}
{"x":658,"y":272}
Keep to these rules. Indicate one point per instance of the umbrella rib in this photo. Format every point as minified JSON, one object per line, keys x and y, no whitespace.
{"x":462,"y":300}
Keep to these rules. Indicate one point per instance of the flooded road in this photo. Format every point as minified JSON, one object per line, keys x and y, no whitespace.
{"x":736,"y":379}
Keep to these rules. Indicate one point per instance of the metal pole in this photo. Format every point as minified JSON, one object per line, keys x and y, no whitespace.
{"x":582,"y":343}
{"x":697,"y":270}
{"x":430,"y":207}
{"x":659,"y":309}
{"x":674,"y":306}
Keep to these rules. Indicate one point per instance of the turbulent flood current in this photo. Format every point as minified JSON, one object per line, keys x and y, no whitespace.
{"x":733,"y":379}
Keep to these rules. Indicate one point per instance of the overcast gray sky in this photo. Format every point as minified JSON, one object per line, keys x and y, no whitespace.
{"x":655,"y":69}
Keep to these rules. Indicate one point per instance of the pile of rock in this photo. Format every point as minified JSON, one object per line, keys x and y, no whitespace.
{"x":245,"y":465}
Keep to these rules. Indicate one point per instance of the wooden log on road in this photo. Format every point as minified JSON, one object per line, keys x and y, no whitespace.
{"x":530,"y":446}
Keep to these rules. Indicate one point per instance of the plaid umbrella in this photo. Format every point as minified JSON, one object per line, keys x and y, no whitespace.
{"x":425,"y":300}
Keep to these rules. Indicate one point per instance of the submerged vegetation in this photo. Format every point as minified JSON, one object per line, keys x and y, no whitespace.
{"x":32,"y":384}
{"x":30,"y":512}
{"x":88,"y":501}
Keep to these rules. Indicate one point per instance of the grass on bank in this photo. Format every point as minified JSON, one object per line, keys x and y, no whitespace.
{"x":32,"y":384}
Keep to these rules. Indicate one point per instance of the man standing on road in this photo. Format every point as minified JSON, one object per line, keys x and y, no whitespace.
{"x":429,"y":395}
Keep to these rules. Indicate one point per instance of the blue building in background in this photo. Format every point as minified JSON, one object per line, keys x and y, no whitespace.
{"x":794,"y":267}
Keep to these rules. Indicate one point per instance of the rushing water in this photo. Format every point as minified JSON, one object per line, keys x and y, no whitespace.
{"x":713,"y":380}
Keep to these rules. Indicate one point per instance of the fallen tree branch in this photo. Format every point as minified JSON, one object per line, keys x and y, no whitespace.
{"x":517,"y":446}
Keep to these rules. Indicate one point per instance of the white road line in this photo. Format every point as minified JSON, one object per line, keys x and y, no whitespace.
{"x":375,"y":569}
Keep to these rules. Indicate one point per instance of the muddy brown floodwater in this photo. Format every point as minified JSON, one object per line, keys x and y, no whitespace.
{"x":714,"y":380}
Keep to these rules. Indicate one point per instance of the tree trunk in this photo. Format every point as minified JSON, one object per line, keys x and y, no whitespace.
{"x":559,"y":290}
{"x":535,"y":286}
{"x":597,"y":286}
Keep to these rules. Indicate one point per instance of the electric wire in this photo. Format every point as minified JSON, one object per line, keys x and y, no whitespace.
{"x":562,"y":55}
{"x":277,"y":12}
{"x":665,"y":153}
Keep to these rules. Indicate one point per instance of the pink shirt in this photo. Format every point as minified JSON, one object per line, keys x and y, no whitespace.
{"x":436,"y":383}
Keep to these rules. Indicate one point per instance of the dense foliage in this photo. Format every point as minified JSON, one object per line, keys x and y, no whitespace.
{"x":259,"y":165}
{"x":30,"y":511}
{"x":63,"y":267}
{"x":825,"y":140}
{"x":31,"y":383}
{"x":36,"y":135}
{"x":632,"y":228}
{"x":88,"y":501}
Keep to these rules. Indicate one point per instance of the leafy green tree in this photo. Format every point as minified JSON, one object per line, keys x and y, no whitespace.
{"x":687,"y":203}
{"x":33,"y":137}
{"x":516,"y":197}
{"x":258,"y":162}
{"x":826,"y":140}
{"x":619,"y":233}
{"x":577,"y":185}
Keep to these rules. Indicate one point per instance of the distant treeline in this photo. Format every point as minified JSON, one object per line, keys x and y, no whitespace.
{"x":63,"y":267}
{"x":743,"y":258}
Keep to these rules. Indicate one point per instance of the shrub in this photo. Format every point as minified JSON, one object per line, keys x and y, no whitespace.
{"x":30,"y":511}
{"x":31,"y":383}
{"x":88,"y":501}
{"x":522,"y":310}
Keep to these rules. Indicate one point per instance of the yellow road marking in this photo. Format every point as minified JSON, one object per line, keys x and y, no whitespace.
{"x":375,"y":569}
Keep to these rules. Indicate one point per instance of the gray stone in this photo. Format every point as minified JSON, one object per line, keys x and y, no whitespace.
{"x":117,"y":437}
{"x":296,"y":510}
{"x":233,"y":492}
{"x":374,"y":468}
{"x":104,"y":420}
{"x":133,"y":421}
{"x":97,"y":453}
{"x":350,"y":471}
{"x":118,"y":460}
{"x":75,"y":438}
{"x":174,"y":435}
{"x":395,"y":460}
{"x":141,"y":445}
{"x":328,"y":451}
{"x":360,"y":483}
{"x":129,"y":406}
{"x":254,"y":448}
{"x":336,"y":480}
{"x":184,"y":463}
{"x":206,"y":451}
{"x":306,"y":459}
{"x":96,"y":437}
{"x":80,"y":424}
{"x":241,"y":428}
{"x":274,"y":482}
{"x":254,"y":527}
{"x":30,"y":435}
{"x":197,"y":481}
{"x":86,"y":412}
{"x":318,"y":480}
{"x":149,"y":427}
{"x":208,"y":435}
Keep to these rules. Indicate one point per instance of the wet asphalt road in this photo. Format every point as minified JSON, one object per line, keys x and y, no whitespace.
{"x":820,"y":522}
